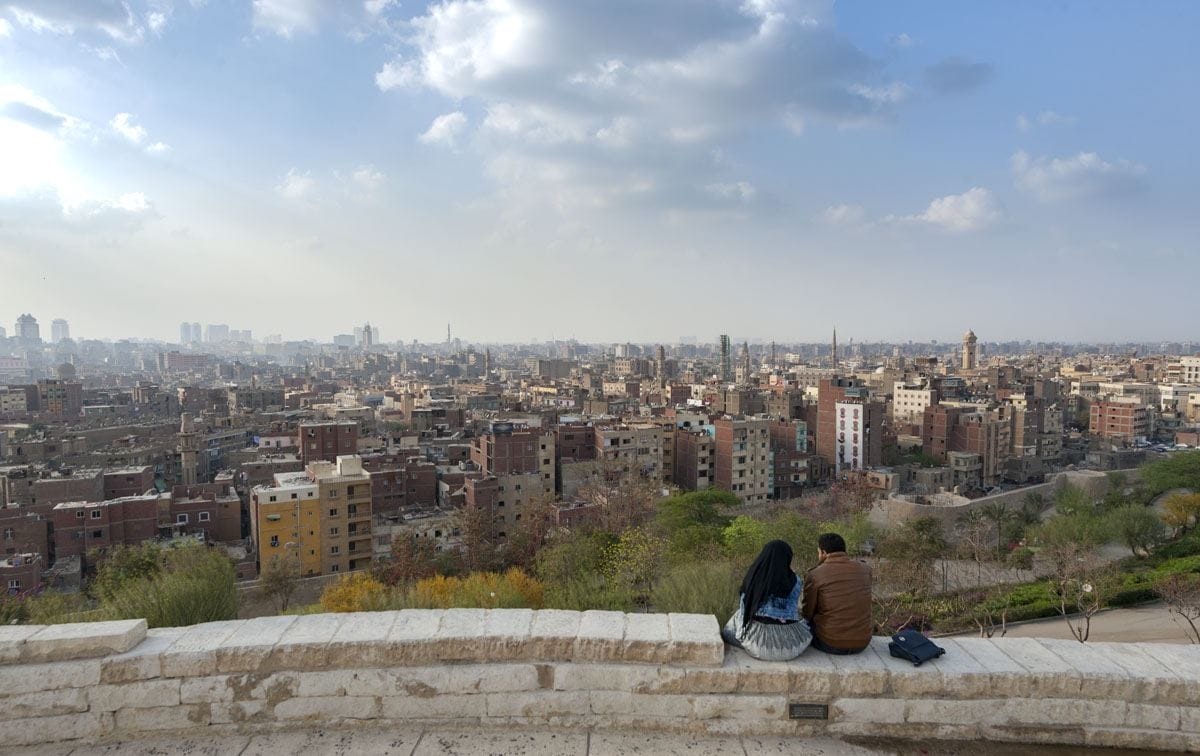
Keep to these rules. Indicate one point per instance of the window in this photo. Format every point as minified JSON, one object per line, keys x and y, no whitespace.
{"x":335,"y":549}
{"x":96,"y":514}
{"x":204,"y":516}
{"x":333,"y":513}
{"x":14,"y":584}
{"x":8,"y":534}
{"x":97,"y":534}
{"x":181,"y":518}
{"x":79,"y":513}
{"x":333,"y":531}
{"x":334,"y":568}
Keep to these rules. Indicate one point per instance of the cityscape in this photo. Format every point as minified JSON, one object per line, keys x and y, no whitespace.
{"x":665,"y":377}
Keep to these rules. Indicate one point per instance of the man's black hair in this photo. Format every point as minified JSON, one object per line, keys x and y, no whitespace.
{"x":831,"y":543}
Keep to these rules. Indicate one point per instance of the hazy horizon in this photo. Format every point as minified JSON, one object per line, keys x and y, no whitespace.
{"x":533,"y":169}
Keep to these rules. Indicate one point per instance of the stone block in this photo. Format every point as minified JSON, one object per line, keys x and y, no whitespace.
{"x":44,"y":703}
{"x":1006,"y":675}
{"x":30,"y":678}
{"x":662,"y":705}
{"x":647,"y":638}
{"x":33,"y":731}
{"x":1189,"y":718}
{"x":506,"y":633}
{"x":1152,"y":680}
{"x":459,"y":637}
{"x":552,"y":634}
{"x":11,"y":639}
{"x":1099,"y":676}
{"x":601,"y":636}
{"x":611,"y":702}
{"x":208,"y":689}
{"x":248,"y":647}
{"x":538,"y":705}
{"x":195,"y":652}
{"x":413,"y":638}
{"x":950,"y":712}
{"x":135,"y":695}
{"x":362,"y":640}
{"x":143,"y":661}
{"x":1048,"y":675}
{"x":878,"y":710}
{"x":82,"y":640}
{"x":304,"y":644}
{"x":490,"y":678}
{"x":435,"y":707}
{"x":1059,"y":712}
{"x":180,"y":717}
{"x":861,"y":674}
{"x":328,"y":708}
{"x":739,"y":707}
{"x":696,"y":640}
{"x":1151,"y":717}
{"x":238,"y":712}
{"x":627,"y":677}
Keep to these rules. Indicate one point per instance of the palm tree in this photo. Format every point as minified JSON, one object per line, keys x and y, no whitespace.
{"x":998,"y":513}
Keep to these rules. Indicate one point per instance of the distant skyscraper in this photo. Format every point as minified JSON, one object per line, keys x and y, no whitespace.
{"x":746,"y":361}
{"x":197,"y":333}
{"x":215,"y":334}
{"x":968,"y":350}
{"x":185,"y":333}
{"x":3,"y":333}
{"x":59,"y":330}
{"x":27,"y":331}
{"x":367,"y":336}
{"x":726,"y":366}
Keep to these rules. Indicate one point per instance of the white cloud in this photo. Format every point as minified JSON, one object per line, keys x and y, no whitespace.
{"x":1083,"y":175}
{"x":5,"y":28}
{"x":156,"y":21}
{"x":123,"y":124}
{"x":641,"y":98}
{"x":397,"y":74}
{"x":844,"y":215}
{"x":889,"y":94}
{"x":288,"y":17}
{"x":743,"y":191}
{"x":901,"y":41}
{"x":158,"y":148}
{"x":376,"y":7}
{"x":68,"y":16}
{"x":1044,"y":118}
{"x":445,"y":129}
{"x":973,"y":210}
{"x":296,"y":185}
{"x":366,"y":177}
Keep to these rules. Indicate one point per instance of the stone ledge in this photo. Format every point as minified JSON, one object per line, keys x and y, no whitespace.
{"x":575,"y":670}
{"x":79,"y":640}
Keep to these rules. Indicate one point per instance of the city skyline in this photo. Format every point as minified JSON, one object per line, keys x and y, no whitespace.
{"x":539,"y":169}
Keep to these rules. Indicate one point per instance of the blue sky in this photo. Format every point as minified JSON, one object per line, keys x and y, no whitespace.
{"x":619,"y":170}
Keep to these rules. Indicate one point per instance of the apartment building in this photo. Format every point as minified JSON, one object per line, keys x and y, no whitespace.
{"x":1119,"y":420}
{"x":743,"y":458}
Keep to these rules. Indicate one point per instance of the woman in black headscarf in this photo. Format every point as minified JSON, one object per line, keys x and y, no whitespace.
{"x":767,"y":624}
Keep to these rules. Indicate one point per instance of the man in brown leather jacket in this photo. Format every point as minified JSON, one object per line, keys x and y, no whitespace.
{"x":837,"y":599}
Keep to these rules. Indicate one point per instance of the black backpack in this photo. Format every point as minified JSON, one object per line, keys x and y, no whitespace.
{"x":912,"y":646}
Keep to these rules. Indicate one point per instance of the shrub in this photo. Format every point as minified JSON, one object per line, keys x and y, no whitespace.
{"x":355,"y":592}
{"x":699,"y":588}
{"x":193,"y":584}
{"x":513,"y":589}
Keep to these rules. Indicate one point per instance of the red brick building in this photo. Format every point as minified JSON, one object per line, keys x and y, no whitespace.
{"x":82,"y":526}
{"x":129,"y":481}
{"x":326,"y":441}
{"x":1119,"y":421}
{"x":21,"y":573}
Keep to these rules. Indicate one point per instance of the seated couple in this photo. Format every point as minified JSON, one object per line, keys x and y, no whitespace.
{"x":780,"y":615}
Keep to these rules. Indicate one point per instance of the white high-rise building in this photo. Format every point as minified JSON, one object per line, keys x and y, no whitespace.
{"x":59,"y":330}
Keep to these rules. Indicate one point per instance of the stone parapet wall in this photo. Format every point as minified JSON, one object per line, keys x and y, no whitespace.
{"x":573,"y":670}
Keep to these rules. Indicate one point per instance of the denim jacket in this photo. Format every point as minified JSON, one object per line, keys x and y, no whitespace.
{"x":781,"y":607}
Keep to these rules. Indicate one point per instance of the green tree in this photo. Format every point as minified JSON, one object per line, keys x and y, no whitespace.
{"x":122,"y":565}
{"x":633,"y":560}
{"x":1181,"y":511}
{"x":745,"y":536}
{"x":998,"y":514}
{"x":1071,"y":499}
{"x":1179,"y":470}
{"x":1138,"y":527}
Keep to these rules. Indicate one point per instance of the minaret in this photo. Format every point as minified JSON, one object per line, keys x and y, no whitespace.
{"x":745,"y":361}
{"x":833,"y":359}
{"x":969,"y":350}
{"x":447,"y":333}
{"x":660,"y":363}
{"x":189,"y":448}
{"x":773,"y":362}
{"x":487,"y":361}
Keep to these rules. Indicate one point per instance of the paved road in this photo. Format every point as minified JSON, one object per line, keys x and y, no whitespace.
{"x":388,"y":742}
{"x":1152,"y":623}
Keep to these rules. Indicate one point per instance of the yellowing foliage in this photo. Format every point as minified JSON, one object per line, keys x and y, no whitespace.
{"x":511,"y":589}
{"x":355,"y":592}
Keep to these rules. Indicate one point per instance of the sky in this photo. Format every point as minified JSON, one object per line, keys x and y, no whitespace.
{"x":604,"y":170}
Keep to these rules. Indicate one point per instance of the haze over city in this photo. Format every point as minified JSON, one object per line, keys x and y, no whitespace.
{"x":602,"y":171}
